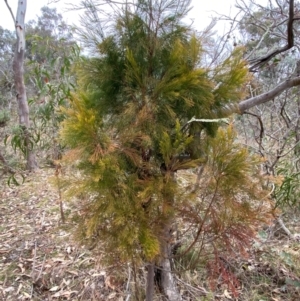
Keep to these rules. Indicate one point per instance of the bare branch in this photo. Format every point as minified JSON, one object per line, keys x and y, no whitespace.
{"x":265,"y":97}
{"x":260,"y":41}
{"x":10,"y":10}
{"x":257,"y":62}
{"x":262,"y":130}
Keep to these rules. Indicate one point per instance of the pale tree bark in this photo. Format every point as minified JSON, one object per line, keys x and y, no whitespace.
{"x":18,"y":69}
{"x":265,"y":97}
{"x":167,"y":278}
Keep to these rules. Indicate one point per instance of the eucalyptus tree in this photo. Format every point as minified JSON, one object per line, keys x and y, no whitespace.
{"x":51,"y":51}
{"x":271,"y":39}
{"x":21,"y":96}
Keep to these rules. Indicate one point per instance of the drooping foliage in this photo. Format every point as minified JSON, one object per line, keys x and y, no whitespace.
{"x":129,"y":131}
{"x":51,"y":50}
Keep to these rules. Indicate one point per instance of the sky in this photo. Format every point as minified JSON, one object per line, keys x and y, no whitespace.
{"x":200,"y":14}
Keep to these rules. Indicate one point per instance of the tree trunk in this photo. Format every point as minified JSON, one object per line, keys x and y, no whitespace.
{"x":18,"y":69}
{"x":150,"y":282}
{"x":168,"y":284}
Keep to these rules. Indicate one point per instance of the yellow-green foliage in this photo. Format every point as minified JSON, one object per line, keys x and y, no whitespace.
{"x":231,"y":77}
{"x":231,"y":201}
{"x":127,"y":130}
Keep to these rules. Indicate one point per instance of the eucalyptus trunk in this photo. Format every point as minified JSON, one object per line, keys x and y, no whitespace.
{"x":18,"y":69}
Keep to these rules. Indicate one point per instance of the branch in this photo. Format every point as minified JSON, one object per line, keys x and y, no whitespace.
{"x":226,"y":120}
{"x":290,"y":42}
{"x":262,"y":130}
{"x":265,"y":97}
{"x":10,"y":10}
{"x":260,"y":41}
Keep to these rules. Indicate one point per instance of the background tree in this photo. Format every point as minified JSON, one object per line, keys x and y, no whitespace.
{"x":49,"y":75}
{"x":6,"y":79}
{"x":272,"y":47}
{"x":18,"y":69}
{"x":48,"y":83}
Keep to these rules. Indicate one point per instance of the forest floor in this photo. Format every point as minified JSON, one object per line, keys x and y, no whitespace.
{"x":39,"y":259}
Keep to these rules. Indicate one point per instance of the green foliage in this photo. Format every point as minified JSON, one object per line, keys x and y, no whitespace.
{"x":22,"y":139}
{"x":128,"y":131}
{"x":52,"y":52}
{"x":287,"y":192}
{"x":231,"y":75}
{"x":4,"y":117}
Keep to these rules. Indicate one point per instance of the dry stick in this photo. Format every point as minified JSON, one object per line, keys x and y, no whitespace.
{"x":204,"y":219}
{"x":57,"y":172}
{"x":128,"y":283}
{"x":284,"y":228}
{"x":34,"y":259}
{"x":33,"y":268}
{"x":41,"y":270}
{"x":200,"y":290}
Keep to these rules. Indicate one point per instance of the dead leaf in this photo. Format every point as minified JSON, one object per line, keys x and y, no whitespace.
{"x":227,"y":295}
{"x":110,"y":282}
{"x":9,"y":289}
{"x":112,"y":295}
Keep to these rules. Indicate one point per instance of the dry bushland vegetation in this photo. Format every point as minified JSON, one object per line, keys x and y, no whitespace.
{"x":148,"y":187}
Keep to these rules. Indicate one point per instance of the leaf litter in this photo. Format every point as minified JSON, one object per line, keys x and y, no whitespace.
{"x":39,"y":259}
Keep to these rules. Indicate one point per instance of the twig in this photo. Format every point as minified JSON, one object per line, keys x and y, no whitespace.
{"x":34,"y":259}
{"x":257,"y":62}
{"x":10,"y":10}
{"x":284,"y":228}
{"x":201,"y":290}
{"x":41,"y":270}
{"x":57,"y":173}
{"x":261,"y":134}
{"x":208,"y":120}
{"x":128,"y":284}
{"x":193,"y":119}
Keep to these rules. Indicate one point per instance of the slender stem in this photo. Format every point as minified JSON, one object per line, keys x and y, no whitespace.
{"x":10,"y":10}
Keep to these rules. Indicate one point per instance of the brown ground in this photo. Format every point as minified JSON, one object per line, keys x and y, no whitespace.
{"x":40,"y":261}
